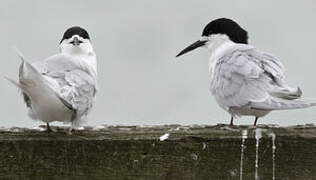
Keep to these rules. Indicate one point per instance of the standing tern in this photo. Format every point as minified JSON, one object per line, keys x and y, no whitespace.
{"x":63,"y":86}
{"x":244,"y":80}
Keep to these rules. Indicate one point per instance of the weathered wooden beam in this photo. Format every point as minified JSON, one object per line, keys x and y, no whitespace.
{"x":132,"y":152}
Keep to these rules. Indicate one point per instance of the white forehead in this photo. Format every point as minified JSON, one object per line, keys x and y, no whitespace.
{"x":77,"y":36}
{"x":67,"y":41}
{"x":213,"y":37}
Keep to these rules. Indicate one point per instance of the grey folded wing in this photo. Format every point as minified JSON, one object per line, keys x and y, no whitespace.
{"x":75,"y":87}
{"x":55,"y":63}
{"x":246,"y":75}
{"x":79,"y":90}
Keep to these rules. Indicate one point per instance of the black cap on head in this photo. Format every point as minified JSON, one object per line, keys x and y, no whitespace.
{"x":228,"y":27}
{"x":75,"y":30}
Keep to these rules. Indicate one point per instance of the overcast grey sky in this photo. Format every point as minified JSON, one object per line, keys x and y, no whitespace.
{"x":140,"y":80}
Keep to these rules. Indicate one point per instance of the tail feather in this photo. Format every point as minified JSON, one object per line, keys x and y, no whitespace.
{"x":28,"y":77}
{"x":283,"y":104}
{"x":27,"y":72}
{"x":19,"y":53}
{"x":18,"y":84}
{"x":39,"y":95}
{"x":288,"y":93}
{"x":13,"y":82}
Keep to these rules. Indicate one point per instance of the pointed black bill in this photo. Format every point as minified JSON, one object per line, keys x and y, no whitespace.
{"x":76,"y":41}
{"x":192,"y":47}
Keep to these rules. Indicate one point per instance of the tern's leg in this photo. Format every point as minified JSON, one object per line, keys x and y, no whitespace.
{"x":255,"y":124}
{"x":48,"y":129}
{"x":231,"y":121}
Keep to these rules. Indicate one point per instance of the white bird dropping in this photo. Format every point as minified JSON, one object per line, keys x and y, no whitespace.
{"x":164,"y":137}
{"x":273,"y":137}
{"x":258,"y":136}
{"x":244,"y":136}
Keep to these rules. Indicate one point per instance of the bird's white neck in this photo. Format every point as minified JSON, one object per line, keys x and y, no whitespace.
{"x":217,"y":45}
{"x":82,"y":49}
{"x":90,"y":60}
{"x":84,"y":54}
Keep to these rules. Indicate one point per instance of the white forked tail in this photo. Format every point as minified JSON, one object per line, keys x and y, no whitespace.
{"x":46,"y":104}
{"x":28,"y":75}
{"x":283,"y":104}
{"x":22,"y":71}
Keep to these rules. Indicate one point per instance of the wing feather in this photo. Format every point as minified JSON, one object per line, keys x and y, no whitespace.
{"x":73,"y":84}
{"x":248,"y":76}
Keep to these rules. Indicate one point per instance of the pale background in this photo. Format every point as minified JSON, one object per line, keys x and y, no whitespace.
{"x":140,"y":80}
